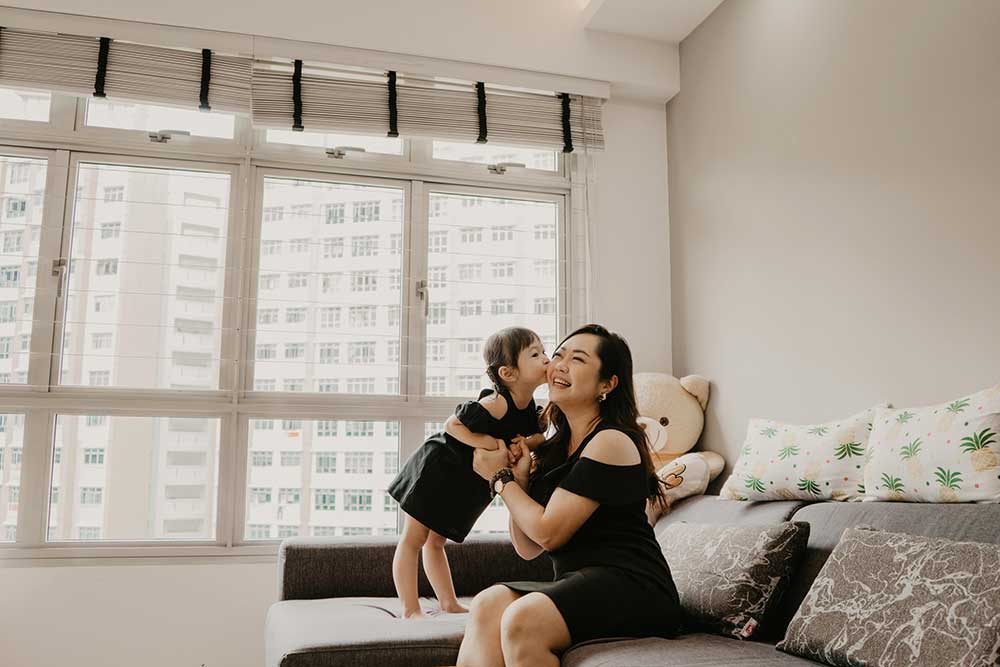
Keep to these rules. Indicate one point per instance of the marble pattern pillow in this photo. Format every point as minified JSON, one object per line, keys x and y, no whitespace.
{"x":937,"y":454}
{"x":893,"y":599}
{"x":727,"y":576}
{"x":811,"y":462}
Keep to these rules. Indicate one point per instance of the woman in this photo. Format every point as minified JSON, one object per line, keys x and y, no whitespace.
{"x":584,"y":503}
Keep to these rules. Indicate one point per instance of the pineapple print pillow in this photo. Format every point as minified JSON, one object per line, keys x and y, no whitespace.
{"x":813,"y":462}
{"x":939,"y":454}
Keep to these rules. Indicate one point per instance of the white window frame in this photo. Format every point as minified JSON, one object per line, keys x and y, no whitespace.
{"x":65,"y":142}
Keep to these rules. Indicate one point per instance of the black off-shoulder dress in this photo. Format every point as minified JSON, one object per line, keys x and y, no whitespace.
{"x":437,"y":485}
{"x":611,"y":579}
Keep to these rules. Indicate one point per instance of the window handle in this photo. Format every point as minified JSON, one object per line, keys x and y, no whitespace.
{"x":423,"y":294}
{"x":341,"y":152}
{"x":59,"y":271}
{"x":501,"y":167}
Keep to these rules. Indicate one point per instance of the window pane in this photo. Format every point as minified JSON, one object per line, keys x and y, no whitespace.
{"x":321,"y":477}
{"x":488,"y":250}
{"x":383,"y":145}
{"x":24,"y":105}
{"x":152,"y":118}
{"x":11,"y":450}
{"x":153,"y":290}
{"x":328,"y":313}
{"x":134,"y":478}
{"x":23,"y":185}
{"x":532,"y":158}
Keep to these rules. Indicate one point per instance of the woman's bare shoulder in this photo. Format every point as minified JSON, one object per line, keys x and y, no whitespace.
{"x":612,"y":447}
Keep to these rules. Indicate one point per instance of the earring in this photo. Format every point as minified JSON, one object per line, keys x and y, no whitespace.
{"x":600,"y":399}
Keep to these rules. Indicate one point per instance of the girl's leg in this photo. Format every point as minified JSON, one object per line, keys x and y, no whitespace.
{"x":481,"y":644}
{"x":404,"y":565}
{"x":439,"y":574}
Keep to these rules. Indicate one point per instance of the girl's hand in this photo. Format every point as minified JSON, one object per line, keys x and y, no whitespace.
{"x":486,"y":463}
{"x":517,"y":450}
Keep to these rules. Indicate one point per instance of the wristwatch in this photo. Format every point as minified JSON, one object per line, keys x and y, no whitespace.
{"x":500,"y":479}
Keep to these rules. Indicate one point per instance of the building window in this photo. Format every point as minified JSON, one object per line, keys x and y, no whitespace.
{"x":19,"y":172}
{"x":501,"y":306}
{"x":362,"y":317}
{"x":389,"y":504}
{"x":437,"y":313}
{"x":392,"y":351}
{"x":298,"y":245}
{"x":100,"y":378}
{"x":470,"y":272}
{"x":298,"y":280}
{"x":12,"y":241}
{"x":390,"y":464}
{"x":104,"y":303}
{"x":546,"y":306}
{"x":289,"y":496}
{"x":8,"y":311}
{"x":267,"y":351}
{"x":93,"y":456}
{"x":329,"y":318}
{"x":263,"y":424}
{"x":91,"y":495}
{"x":268,"y":281}
{"x":470,"y":308}
{"x":364,"y":246}
{"x":295,"y":350}
{"x":502,"y":269}
{"x":261,"y":459}
{"x":260,"y":495}
{"x":270,"y":247}
{"x":111,"y":230}
{"x":359,"y":463}
{"x":395,"y":244}
{"x":362,"y":352}
{"x":326,"y":428}
{"x":363,"y":281}
{"x":543,"y":232}
{"x":262,"y":384}
{"x":274,"y":213}
{"x":361,"y":385}
{"x":289,"y":459}
{"x":294,"y":384}
{"x":88,"y":532}
{"x":436,"y":385}
{"x":333,"y":214}
{"x":326,"y":462}
{"x":113,"y":194}
{"x":545,"y":268}
{"x":358,"y":500}
{"x":324,"y":531}
{"x":437,"y":276}
{"x":6,"y":344}
{"x":505,"y":233}
{"x":100,"y":341}
{"x":259,"y":531}
{"x":395,"y":279}
{"x":470,"y":234}
{"x":16,"y":208}
{"x":10,"y":276}
{"x":469,"y":383}
{"x":360,"y":429}
{"x":437,"y":241}
{"x":357,"y":531}
{"x":287,"y":531}
{"x":329,"y":353}
{"x":366,"y":211}
{"x":333,"y":248}
{"x":324,"y":499}
{"x":437,"y":349}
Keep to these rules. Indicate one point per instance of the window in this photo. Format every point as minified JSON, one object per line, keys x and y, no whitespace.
{"x":501,"y":306}
{"x":357,"y":531}
{"x":10,"y":276}
{"x":298,"y":280}
{"x":358,"y":500}
{"x":301,"y":210}
{"x":289,"y":496}
{"x":267,"y":351}
{"x":294,"y":384}
{"x":389,"y":503}
{"x":437,"y":241}
{"x":363,"y":281}
{"x":99,"y":378}
{"x":393,"y":314}
{"x":262,"y":384}
{"x":366,"y":211}
{"x":295,"y":350}
{"x":359,"y":463}
{"x":8,"y":311}
{"x":437,"y":349}
{"x":436,"y":385}
{"x":532,"y":158}
{"x":361,"y":385}
{"x":270,"y":247}
{"x":93,"y":421}
{"x":274,"y":213}
{"x":333,"y":214}
{"x":392,"y":351}
{"x":329,"y":318}
{"x":545,"y":232}
{"x":289,"y":459}
{"x":6,"y":343}
{"x":505,"y":233}
{"x":120,"y":115}
{"x":360,"y":429}
{"x":100,"y":341}
{"x":395,"y":279}
{"x":470,"y":308}
{"x":364,"y":246}
{"x":93,"y":456}
{"x":291,"y":424}
{"x":257,"y":531}
{"x":502,"y":269}
{"x":333,"y":248}
{"x":362,"y":317}
{"x":468,"y":234}
{"x":545,"y":268}
{"x":437,"y":313}
{"x":469,"y":383}
{"x":298,"y":245}
{"x":287,"y":531}
{"x":324,"y":499}
{"x":261,"y":459}
{"x":12,"y":241}
{"x":546,"y":306}
{"x":326,"y":462}
{"x":332,"y":282}
{"x":16,"y":208}
{"x":113,"y":194}
{"x":395,"y":244}
{"x":91,"y":495}
{"x":260,"y":496}
{"x":19,"y":172}
{"x":469,"y":272}
{"x":384,"y":145}
{"x":324,"y":531}
{"x":104,"y":303}
{"x":329,"y":353}
{"x":390,"y":462}
{"x":326,"y":428}
{"x":88,"y":533}
{"x":111,"y":230}
{"x":361,"y":352}
{"x":437,"y":276}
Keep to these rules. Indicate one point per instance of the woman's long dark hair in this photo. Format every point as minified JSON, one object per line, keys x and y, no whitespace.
{"x":618,"y":411}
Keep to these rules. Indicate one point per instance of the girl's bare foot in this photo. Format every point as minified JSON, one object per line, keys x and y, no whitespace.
{"x":414,"y":614}
{"x":454,"y":608}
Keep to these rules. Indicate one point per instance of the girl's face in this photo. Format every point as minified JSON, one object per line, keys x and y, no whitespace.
{"x":574,"y":373}
{"x":531,"y":364}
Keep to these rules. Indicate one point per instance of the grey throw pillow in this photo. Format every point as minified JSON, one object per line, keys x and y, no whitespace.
{"x":728,"y":577}
{"x":893,"y":599}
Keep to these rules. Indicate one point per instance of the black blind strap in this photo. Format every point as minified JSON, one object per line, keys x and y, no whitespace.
{"x":297,"y":97}
{"x":567,"y":130}
{"x":393,"y":112}
{"x":102,"y":67}
{"x":481,"y":107}
{"x":206,"y":76}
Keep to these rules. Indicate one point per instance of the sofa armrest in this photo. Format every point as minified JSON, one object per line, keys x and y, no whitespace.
{"x":313,"y":568}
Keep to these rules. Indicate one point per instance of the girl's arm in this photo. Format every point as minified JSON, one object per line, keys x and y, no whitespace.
{"x":456,"y":429}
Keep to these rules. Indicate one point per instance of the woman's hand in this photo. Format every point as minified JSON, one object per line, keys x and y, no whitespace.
{"x":522,"y":471}
{"x":486,"y":463}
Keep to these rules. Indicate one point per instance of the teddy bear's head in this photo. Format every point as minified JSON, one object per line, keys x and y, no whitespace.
{"x":672,"y":411}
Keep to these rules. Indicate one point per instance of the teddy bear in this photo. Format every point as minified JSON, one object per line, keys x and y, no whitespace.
{"x":672,"y":413}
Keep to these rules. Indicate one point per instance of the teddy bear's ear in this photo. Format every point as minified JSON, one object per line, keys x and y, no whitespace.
{"x":697,"y":386}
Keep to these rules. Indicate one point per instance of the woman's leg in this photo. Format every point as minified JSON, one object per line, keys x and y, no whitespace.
{"x":533,"y":632}
{"x":404,"y":565}
{"x":439,"y":574}
{"x":481,"y":644}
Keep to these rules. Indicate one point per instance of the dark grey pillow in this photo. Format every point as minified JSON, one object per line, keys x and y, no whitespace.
{"x":728,"y":577}
{"x":894,"y":599}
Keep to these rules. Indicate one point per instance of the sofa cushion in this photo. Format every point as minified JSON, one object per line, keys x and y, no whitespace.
{"x":828,"y":521}
{"x":728,"y":576}
{"x":895,"y":599}
{"x":357,"y":632}
{"x":713,"y":509}
{"x":688,"y":651}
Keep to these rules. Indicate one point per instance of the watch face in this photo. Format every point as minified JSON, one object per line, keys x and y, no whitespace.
{"x":498,"y":486}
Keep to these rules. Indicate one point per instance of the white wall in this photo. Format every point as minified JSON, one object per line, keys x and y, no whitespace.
{"x":213,"y":614}
{"x":833,"y":210}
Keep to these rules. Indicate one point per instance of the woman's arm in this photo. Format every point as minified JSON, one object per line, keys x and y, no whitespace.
{"x":525,"y":547}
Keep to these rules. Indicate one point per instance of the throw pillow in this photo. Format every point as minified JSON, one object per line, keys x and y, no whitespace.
{"x":811,"y":462}
{"x":942,"y":453}
{"x":893,"y":599}
{"x":729,"y":577}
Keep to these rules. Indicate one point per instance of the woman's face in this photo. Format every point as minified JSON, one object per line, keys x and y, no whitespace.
{"x":574,"y":372}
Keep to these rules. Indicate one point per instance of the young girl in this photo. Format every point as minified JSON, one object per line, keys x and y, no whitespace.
{"x":437,"y":488}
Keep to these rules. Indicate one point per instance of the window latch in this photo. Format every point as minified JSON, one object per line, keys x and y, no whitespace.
{"x":423,"y":294}
{"x":163,"y":136}
{"x":340,"y":152}
{"x":501,"y":168}
{"x":59,"y":270}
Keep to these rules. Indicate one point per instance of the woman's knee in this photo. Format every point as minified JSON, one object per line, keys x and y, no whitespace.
{"x":491,"y":602}
{"x":530,"y":620}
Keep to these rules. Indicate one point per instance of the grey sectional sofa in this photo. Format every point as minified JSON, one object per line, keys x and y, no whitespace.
{"x":337,"y":604}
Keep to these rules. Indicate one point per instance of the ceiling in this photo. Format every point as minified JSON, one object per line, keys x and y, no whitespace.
{"x":660,"y":20}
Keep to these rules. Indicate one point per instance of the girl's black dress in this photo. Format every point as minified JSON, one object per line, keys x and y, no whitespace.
{"x":611,"y":579}
{"x":437,"y":485}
